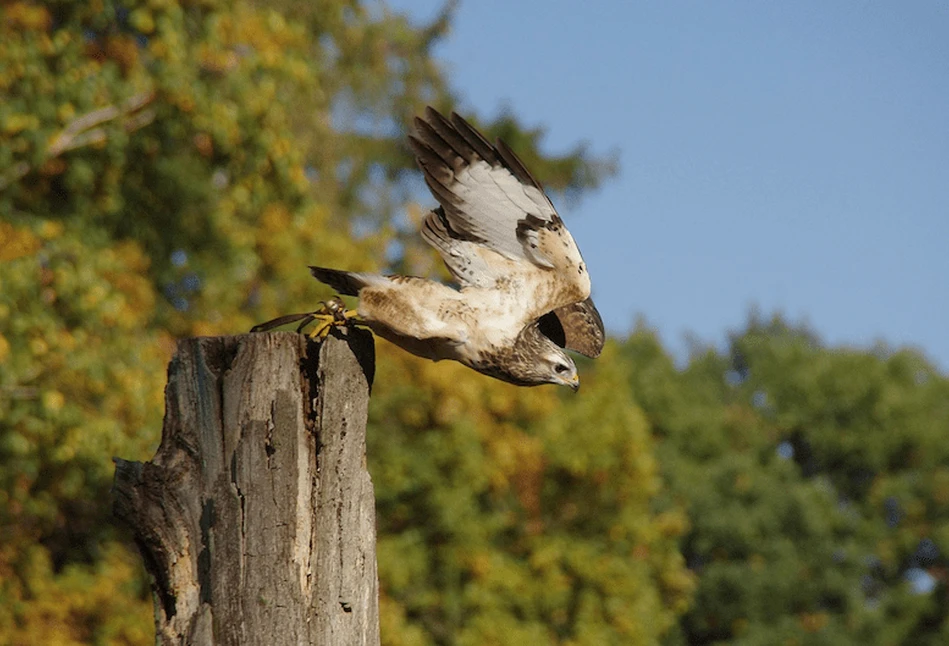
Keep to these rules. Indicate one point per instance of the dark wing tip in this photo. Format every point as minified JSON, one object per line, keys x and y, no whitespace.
{"x":421,"y":149}
{"x":458,"y":135}
{"x":436,"y":118}
{"x":473,"y":138}
{"x":515,"y":165}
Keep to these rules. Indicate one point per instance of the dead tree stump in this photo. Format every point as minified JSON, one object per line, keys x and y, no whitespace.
{"x":256,"y":516}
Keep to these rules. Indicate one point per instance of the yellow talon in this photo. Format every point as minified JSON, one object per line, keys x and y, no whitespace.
{"x":324,"y":323}
{"x":332,"y":313}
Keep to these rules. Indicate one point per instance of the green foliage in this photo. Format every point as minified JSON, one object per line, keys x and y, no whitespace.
{"x":810,"y":479}
{"x":81,"y":381}
{"x":511,"y":516}
{"x":106,"y":602}
{"x":203,"y":173}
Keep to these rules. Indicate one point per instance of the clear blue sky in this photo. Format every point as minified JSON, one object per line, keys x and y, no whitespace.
{"x":792,"y":156}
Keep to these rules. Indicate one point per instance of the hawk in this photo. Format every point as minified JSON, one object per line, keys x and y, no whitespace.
{"x":523,"y":291}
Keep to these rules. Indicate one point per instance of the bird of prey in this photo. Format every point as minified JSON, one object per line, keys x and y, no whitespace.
{"x":523,"y":290}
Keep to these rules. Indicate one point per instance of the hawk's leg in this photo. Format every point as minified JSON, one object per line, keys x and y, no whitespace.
{"x":332,"y":313}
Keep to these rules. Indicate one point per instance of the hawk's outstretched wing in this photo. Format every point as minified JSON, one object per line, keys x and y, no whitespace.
{"x":496,"y":222}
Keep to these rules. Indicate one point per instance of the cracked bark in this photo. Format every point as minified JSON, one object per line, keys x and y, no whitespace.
{"x":256,"y":516}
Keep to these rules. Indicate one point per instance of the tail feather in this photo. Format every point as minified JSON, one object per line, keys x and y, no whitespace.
{"x":347,"y":283}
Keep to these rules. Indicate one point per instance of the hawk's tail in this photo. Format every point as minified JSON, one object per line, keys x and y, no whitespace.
{"x":347,"y":283}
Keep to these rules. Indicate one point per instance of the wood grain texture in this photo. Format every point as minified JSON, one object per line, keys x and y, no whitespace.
{"x":256,"y":516}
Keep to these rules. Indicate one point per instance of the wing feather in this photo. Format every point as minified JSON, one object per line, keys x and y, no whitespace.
{"x":441,"y":192}
{"x":481,"y":146}
{"x":465,"y":147}
{"x":486,"y":191}
{"x":496,"y":222}
{"x":464,"y":258}
{"x":516,"y":166}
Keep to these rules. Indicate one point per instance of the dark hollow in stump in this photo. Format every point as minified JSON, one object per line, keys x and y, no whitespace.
{"x":256,"y":516}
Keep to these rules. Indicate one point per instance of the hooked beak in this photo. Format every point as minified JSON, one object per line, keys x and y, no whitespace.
{"x":574,"y":383}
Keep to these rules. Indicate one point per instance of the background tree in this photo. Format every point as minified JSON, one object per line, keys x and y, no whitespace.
{"x":794,"y":461}
{"x":514,"y":516}
{"x":169,"y":169}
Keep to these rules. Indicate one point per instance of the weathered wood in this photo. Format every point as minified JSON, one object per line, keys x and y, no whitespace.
{"x":256,"y":516}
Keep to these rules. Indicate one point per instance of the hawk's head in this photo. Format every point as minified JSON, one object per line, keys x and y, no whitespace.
{"x":559,"y":368}
{"x":538,"y":360}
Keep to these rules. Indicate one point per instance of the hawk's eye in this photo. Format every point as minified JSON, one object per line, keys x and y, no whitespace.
{"x":561,"y":368}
